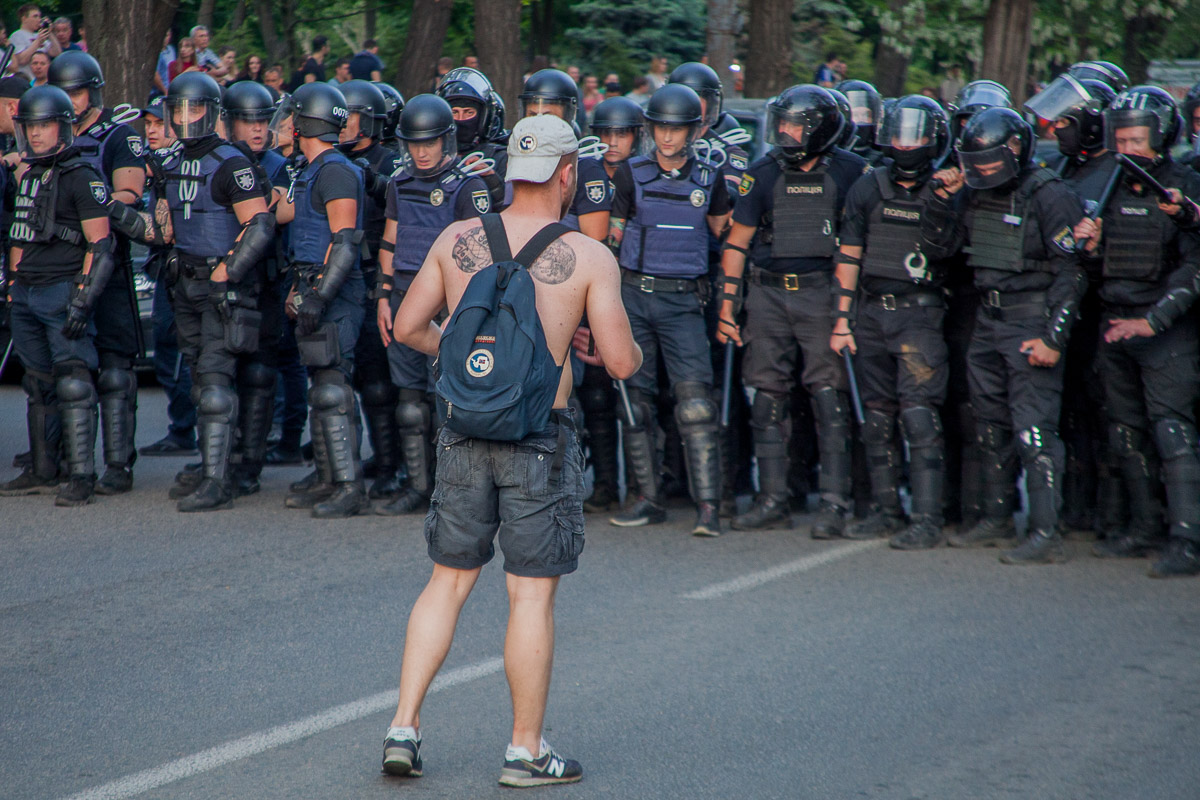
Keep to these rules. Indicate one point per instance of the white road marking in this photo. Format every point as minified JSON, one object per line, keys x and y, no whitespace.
{"x":255,"y":743}
{"x":754,"y":579}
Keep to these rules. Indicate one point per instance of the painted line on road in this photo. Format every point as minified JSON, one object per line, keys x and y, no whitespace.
{"x":754,"y":579}
{"x":206,"y":760}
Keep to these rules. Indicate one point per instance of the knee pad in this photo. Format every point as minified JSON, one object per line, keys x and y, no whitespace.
{"x":992,"y":437}
{"x":117,"y":381}
{"x":412,"y":411}
{"x":36,"y":387}
{"x":379,"y":393}
{"x":331,"y":398}
{"x":768,"y":410}
{"x":216,"y":400}
{"x":878,"y":428}
{"x":1033,"y":441}
{"x":256,"y":375}
{"x":693,"y":404}
{"x":830,"y":407}
{"x":922,"y":426}
{"x":1175,"y":438}
{"x":74,"y":384}
{"x":1125,"y":441}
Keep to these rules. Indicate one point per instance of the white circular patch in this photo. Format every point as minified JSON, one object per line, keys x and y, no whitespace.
{"x":698,"y":198}
{"x":527,"y":143}
{"x":437,"y":197}
{"x":480,"y":363}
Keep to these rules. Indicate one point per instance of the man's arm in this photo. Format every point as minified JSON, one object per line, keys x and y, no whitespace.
{"x":606,"y":313}
{"x":594,"y":225}
{"x":128,"y":183}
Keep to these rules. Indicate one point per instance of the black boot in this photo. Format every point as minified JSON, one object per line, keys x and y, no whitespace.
{"x":256,"y":411}
{"x":318,"y":484}
{"x":217,"y":411}
{"x":883,"y":466}
{"x":1182,"y":558}
{"x":599,"y":401}
{"x":641,"y":461}
{"x":77,"y":408}
{"x":118,"y":419}
{"x":1176,"y":440}
{"x":414,"y":421}
{"x":696,"y":416}
{"x":922,"y":428}
{"x":834,"y":441}
{"x":998,"y":472}
{"x":1039,"y":547}
{"x":769,"y":424}
{"x":379,"y":407}
{"x":41,"y":476}
{"x":333,"y":402}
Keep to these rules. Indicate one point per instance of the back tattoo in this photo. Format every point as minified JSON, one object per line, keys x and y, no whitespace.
{"x":555,"y":265}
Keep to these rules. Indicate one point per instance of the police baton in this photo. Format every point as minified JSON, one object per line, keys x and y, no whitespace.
{"x":855,"y":398}
{"x":727,"y":383}
{"x":624,"y":392}
{"x":1101,"y":204}
{"x":7,"y":352}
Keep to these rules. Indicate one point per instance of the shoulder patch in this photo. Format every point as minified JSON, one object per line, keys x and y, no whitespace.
{"x":244,"y":178}
{"x":595,"y":191}
{"x":136,"y":146}
{"x":481,"y":200}
{"x":99,"y":191}
{"x":746,"y":185}
{"x":1065,"y":240}
{"x":738,"y":162}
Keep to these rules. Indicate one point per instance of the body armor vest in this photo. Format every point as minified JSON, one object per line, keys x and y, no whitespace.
{"x":804,"y":217}
{"x":1133,"y":239}
{"x":893,"y":249}
{"x":93,"y":143}
{"x":310,"y":234}
{"x":1004,"y":236}
{"x":203,"y":227}
{"x":424,"y":208}
{"x":668,"y":235}
{"x":34,"y":212}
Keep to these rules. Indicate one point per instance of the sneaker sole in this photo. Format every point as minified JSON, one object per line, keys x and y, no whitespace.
{"x":401,"y":769}
{"x":641,"y":522}
{"x":523,"y":780}
{"x":1001,"y":542}
{"x":1056,"y":558}
{"x":63,"y":502}
{"x":705,"y":531}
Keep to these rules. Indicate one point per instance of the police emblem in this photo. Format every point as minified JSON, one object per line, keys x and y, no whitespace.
{"x":746,"y":185}
{"x":99,"y":192}
{"x":479,"y":363}
{"x":437,"y":197}
{"x":737,"y":162}
{"x":595,"y":191}
{"x":136,"y":145}
{"x":244,"y":178}
{"x":482,"y":200}
{"x":1065,"y":240}
{"x":527,"y":143}
{"x":698,"y":197}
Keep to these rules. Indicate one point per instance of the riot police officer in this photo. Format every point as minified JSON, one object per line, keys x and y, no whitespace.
{"x":394,"y":103}
{"x":1016,"y":220}
{"x":786,"y":220}
{"x":866,"y":113}
{"x":1104,"y":71}
{"x":704,"y":80}
{"x":428,"y":194}
{"x":976,"y":96}
{"x":325,"y":207}
{"x":1148,"y":354}
{"x":897,"y":338}
{"x":664,"y":207}
{"x":479,"y":123}
{"x":61,"y":260}
{"x":115,"y":150}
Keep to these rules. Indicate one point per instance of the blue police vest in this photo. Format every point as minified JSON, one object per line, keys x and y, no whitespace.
{"x":93,"y":144}
{"x":203,"y":227}
{"x":310,"y":235}
{"x":424,"y":208}
{"x":668,"y":235}
{"x":275,"y":165}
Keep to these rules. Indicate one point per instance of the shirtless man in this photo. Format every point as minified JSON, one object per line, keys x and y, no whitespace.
{"x":542,"y":518}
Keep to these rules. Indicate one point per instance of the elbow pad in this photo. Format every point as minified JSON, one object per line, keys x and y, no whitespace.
{"x":128,"y":222}
{"x":1059,"y":327}
{"x":87,"y":291}
{"x":251,"y":247}
{"x":341,"y":261}
{"x":1170,"y":307}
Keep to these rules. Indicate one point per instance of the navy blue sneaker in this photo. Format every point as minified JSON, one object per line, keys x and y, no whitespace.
{"x":521,"y":769}
{"x":402,"y":753}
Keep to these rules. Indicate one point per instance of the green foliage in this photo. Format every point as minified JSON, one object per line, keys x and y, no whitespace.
{"x":621,"y":35}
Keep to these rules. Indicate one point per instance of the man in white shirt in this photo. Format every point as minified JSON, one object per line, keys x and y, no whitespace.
{"x":31,"y":38}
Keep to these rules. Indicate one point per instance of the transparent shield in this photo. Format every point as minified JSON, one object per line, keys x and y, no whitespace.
{"x":1062,"y":95}
{"x":282,"y":123}
{"x":533,"y":106}
{"x":863,"y":107}
{"x":789,"y":128}
{"x":988,"y":169}
{"x":191,"y":119}
{"x":906,"y":128}
{"x":426,"y":157}
{"x":42,"y":137}
{"x":1124,"y":124}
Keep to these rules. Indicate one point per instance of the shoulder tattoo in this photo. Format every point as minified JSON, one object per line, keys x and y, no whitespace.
{"x":471,"y":252}
{"x":556,"y":263}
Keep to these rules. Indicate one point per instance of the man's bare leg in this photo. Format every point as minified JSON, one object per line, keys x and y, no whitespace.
{"x":529,"y":655}
{"x":430,"y":632}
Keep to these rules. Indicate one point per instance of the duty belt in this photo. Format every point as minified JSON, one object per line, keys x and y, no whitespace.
{"x":652,"y":283}
{"x":1012,"y":305}
{"x":891,"y":302}
{"x":790,"y":282}
{"x":196,"y":268}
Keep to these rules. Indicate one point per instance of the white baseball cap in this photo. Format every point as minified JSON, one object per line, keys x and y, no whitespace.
{"x":536,"y":146}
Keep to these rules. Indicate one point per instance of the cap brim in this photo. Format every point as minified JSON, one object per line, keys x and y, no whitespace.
{"x":533,"y":169}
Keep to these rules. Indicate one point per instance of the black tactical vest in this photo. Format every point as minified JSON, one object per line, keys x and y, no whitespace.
{"x":804,"y":219}
{"x":1133,"y":239}
{"x":34,"y":212}
{"x":1004,"y":236}
{"x":893,"y":248}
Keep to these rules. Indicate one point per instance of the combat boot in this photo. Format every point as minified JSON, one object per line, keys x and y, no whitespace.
{"x":211,"y":495}
{"x":1181,"y":558}
{"x":924,"y":533}
{"x":1039,"y":547}
{"x":987,"y":533}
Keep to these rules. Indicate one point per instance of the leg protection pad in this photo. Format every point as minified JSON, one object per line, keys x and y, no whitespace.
{"x":118,"y":414}
{"x":379,"y":393}
{"x":1043,"y":454}
{"x":834,"y":444}
{"x":1175,"y":439}
{"x":922,"y":426}
{"x":256,"y":375}
{"x":412,"y":410}
{"x":77,"y":408}
{"x":694,"y":404}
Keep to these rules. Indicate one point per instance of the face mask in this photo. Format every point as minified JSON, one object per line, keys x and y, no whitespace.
{"x":1068,"y":140}
{"x":1145,"y":162}
{"x":910,"y":160}
{"x":466,"y":132}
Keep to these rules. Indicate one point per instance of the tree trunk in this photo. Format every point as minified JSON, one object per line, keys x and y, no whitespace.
{"x":266,"y":22}
{"x":369,"y":16}
{"x":204,"y":15}
{"x":1139,"y":31}
{"x":541,"y":27}
{"x":423,"y":45}
{"x":722,"y":32}
{"x":126,"y":37}
{"x":238,"y":18}
{"x":1006,"y":37}
{"x":289,"y":37}
{"x":768,"y":66}
{"x":498,"y":45}
{"x":891,"y":65}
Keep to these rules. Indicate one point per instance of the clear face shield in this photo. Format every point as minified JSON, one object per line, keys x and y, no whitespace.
{"x":789,"y":129}
{"x":282,"y":124}
{"x":427,"y":157}
{"x":623,"y":143}
{"x":710,"y":102}
{"x":41,"y":138}
{"x":1132,"y":131}
{"x":563,"y":109}
{"x":1061,"y":96}
{"x":989,"y":169}
{"x":673,"y":141}
{"x":910,"y":136}
{"x":865,"y":109}
{"x":191,"y":119}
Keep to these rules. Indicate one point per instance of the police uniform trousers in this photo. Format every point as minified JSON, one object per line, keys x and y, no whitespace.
{"x":117,"y":345}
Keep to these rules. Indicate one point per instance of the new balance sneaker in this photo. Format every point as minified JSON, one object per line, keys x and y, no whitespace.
{"x":402,"y":752}
{"x":521,"y":769}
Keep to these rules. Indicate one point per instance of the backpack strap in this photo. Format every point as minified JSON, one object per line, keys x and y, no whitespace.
{"x":497,"y":238}
{"x":540,"y":241}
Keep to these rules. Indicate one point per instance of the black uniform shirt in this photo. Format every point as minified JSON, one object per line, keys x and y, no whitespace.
{"x":861,"y":201}
{"x":123,"y":147}
{"x":335,"y":181}
{"x":757,"y":202}
{"x":82,"y":195}
{"x":591,"y":189}
{"x":623,"y":203}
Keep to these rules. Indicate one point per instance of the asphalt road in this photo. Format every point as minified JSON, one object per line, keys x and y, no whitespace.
{"x":254,"y":653}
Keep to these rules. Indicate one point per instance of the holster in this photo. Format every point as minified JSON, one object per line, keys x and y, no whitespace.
{"x":320,"y":349}
{"x":241,"y":330}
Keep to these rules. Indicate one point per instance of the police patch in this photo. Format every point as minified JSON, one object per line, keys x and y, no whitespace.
{"x":746,"y":185}
{"x":737,"y":162}
{"x":437,"y":197}
{"x":136,"y":146}
{"x":244,"y":178}
{"x":1065,"y":240}
{"x":480,"y":363}
{"x":698,"y":197}
{"x":482,"y":200}
{"x":99,"y":192}
{"x":595,"y":191}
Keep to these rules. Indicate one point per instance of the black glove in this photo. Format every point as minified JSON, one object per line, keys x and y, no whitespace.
{"x":310,"y":307}
{"x":374,"y":184}
{"x":77,"y":319}
{"x":221,"y":299}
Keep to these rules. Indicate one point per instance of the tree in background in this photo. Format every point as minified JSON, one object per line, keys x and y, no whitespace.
{"x":125,"y":36}
{"x":497,"y":34}
{"x":621,"y":35}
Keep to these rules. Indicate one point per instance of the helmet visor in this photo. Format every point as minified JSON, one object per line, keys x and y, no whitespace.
{"x":563,"y":109}
{"x":283,"y":122}
{"x":672,"y":139}
{"x":38,"y":138}
{"x":465,"y":83}
{"x":864,"y":107}
{"x":907,"y":128}
{"x":191,"y":119}
{"x":427,"y":157}
{"x":989,"y":169}
{"x":1122,"y":129}
{"x":623,"y":143}
{"x":711,"y":101}
{"x":1063,"y":95}
{"x":792,"y":127}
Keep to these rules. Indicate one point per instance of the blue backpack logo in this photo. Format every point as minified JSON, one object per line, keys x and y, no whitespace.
{"x":495,"y":377}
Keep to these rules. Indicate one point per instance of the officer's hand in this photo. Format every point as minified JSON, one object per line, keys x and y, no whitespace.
{"x":840,"y":341}
{"x":289,"y":305}
{"x":471,"y":159}
{"x":383,"y":318}
{"x":1089,"y":230}
{"x":219,"y":299}
{"x":1121,"y":329}
{"x":11,"y":160}
{"x":951,"y":179}
{"x":1040,"y":354}
{"x":77,"y":320}
{"x":727,"y":329}
{"x":309,"y":309}
{"x":585,"y":347}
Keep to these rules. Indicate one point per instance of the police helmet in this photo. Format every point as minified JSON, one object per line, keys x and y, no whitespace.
{"x":1191,"y":102}
{"x":427,"y":119}
{"x":76,"y":69}
{"x":849,"y":135}
{"x":1144,"y":106}
{"x":866,"y":106}
{"x":365,"y":99}
{"x":249,"y":101}
{"x":915,"y":135}
{"x":677,"y":106}
{"x":976,"y":96}
{"x":470,"y":88}
{"x":618,"y":115}
{"x":705,"y":82}
{"x":394,"y":103}
{"x":1103,"y":71}
{"x":42,"y":104}
{"x":995,"y":146}
{"x":550,"y":91}
{"x":319,"y":112}
{"x":1077,"y":106}
{"x":812,"y":117}
{"x":193,"y":106}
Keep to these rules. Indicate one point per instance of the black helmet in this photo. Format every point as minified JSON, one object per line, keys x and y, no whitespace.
{"x":319,"y":111}
{"x":678,"y":106}
{"x":995,"y":136}
{"x":470,"y":87}
{"x":619,"y":114}
{"x":427,"y":118}
{"x":1080,"y":102}
{"x":394,"y":103}
{"x":193,"y":106}
{"x":915,"y":134}
{"x":704,"y":81}
{"x":866,"y":105}
{"x":811,"y":107}
{"x":76,"y":69}
{"x":973,"y":98}
{"x":1103,"y":71}
{"x":1147,"y":106}
{"x":44,"y":104}
{"x":1190,"y":102}
{"x":365,"y":99}
{"x":248,"y":101}
{"x":497,"y":132}
{"x":849,"y":135}
{"x":550,"y":89}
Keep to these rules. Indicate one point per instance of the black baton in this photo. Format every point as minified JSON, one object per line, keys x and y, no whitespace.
{"x":855,"y":399}
{"x":727,"y":383}
{"x":624,"y":392}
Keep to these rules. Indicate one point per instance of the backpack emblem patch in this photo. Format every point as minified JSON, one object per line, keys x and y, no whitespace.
{"x":479,"y":363}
